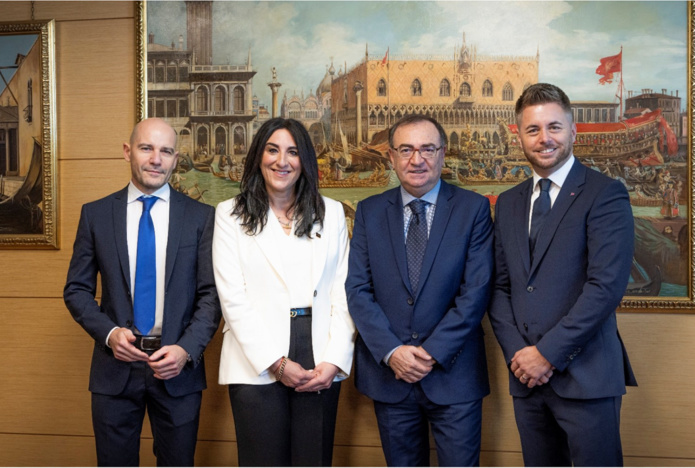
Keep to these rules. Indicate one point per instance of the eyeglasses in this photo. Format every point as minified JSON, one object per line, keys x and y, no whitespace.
{"x":426,"y":151}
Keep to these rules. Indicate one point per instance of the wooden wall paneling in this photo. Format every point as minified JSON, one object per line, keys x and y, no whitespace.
{"x":658,"y":416}
{"x":356,"y":420}
{"x":39,"y":273}
{"x":96,"y":80}
{"x":46,"y":358}
{"x":657,"y":461}
{"x":216,"y":422}
{"x":357,"y":455}
{"x":66,"y":11}
{"x":499,"y":432}
{"x":497,"y":458}
{"x":46,"y":450}
{"x":215,"y":453}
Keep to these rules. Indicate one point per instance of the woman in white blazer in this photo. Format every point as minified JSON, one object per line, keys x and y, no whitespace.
{"x":280,"y":259}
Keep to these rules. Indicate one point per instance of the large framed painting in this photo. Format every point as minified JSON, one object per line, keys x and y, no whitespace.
{"x":28,"y":202}
{"x":348,"y":70}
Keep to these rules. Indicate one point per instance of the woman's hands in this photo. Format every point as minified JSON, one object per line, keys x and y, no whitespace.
{"x":322,"y":378}
{"x":295,"y":376}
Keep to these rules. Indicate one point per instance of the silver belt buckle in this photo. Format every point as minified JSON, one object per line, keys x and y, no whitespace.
{"x":293,"y":313}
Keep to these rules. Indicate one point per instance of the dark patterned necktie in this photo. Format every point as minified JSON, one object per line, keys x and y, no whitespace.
{"x":541,"y":208}
{"x":416,"y":242}
{"x":145,"y":294}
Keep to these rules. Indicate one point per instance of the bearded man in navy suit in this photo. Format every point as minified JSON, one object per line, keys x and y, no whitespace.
{"x":563,"y":252}
{"x":156,"y":364}
{"x":419,"y":281}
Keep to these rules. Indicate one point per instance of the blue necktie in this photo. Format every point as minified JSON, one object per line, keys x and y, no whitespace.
{"x":541,"y":208}
{"x":416,"y":242}
{"x":145,"y":300}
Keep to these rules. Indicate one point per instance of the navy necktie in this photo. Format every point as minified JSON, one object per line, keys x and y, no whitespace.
{"x":416,"y":242}
{"x":145,"y":296}
{"x":541,"y":208}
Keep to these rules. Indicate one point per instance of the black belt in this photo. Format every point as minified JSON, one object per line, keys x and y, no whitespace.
{"x":305,"y":311}
{"x":148,"y":342}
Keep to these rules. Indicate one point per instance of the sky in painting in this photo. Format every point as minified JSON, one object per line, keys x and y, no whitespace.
{"x":299,"y":38}
{"x":10,"y":46}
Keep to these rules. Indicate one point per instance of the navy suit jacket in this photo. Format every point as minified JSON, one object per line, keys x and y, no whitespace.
{"x":443,"y":317}
{"x":564,"y":301}
{"x":191,"y":307}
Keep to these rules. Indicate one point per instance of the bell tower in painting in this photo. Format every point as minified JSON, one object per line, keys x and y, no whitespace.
{"x":199,"y":31}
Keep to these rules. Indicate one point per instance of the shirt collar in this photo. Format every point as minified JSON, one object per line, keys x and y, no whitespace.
{"x":559,"y":176}
{"x":163,"y":193}
{"x":430,"y":197}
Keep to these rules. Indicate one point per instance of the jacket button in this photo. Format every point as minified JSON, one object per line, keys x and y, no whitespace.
{"x":529,"y":289}
{"x":128,"y":323}
{"x":414,"y":336}
{"x":315,"y":293}
{"x":526,"y":326}
{"x":410,"y":301}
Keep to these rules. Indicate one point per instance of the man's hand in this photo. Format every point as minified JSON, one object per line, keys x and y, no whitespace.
{"x":323,"y":374}
{"x":168,"y":361}
{"x":120,"y":343}
{"x":410,"y":363}
{"x":530,"y":367}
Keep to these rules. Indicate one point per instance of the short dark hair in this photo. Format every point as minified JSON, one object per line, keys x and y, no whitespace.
{"x":542,"y":93}
{"x":252,"y":202}
{"x":417,"y":118}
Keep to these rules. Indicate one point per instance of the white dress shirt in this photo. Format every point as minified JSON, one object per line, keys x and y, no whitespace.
{"x":160,"y":218}
{"x":296,"y":255}
{"x":557,"y":178}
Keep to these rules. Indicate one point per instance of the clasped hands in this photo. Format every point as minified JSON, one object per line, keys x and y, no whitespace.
{"x":530,"y":367}
{"x":302,"y":380}
{"x":411,"y":363}
{"x":166,"y":362}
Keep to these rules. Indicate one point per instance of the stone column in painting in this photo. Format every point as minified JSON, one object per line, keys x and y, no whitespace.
{"x":274,"y":86}
{"x":358,"y":108}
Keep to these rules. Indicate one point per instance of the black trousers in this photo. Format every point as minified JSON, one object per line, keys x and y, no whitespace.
{"x":117,"y":422}
{"x":277,"y":426}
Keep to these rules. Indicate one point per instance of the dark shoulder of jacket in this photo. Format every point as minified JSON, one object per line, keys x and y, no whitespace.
{"x":379,"y":198}
{"x":108,"y":199}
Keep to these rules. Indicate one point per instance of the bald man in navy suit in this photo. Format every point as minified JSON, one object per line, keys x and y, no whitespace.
{"x":159,"y":369}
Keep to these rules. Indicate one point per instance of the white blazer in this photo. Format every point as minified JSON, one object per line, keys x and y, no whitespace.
{"x":256,"y":302}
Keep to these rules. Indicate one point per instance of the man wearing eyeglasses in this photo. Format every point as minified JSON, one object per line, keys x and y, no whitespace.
{"x":419,"y":280}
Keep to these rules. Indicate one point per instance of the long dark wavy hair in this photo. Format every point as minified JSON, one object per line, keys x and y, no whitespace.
{"x":252,"y":202}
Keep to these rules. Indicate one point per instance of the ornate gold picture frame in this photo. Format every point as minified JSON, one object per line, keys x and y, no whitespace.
{"x":384,"y":81}
{"x":28,"y":201}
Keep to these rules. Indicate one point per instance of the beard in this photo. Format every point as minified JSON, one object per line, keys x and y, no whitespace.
{"x":548,"y":164}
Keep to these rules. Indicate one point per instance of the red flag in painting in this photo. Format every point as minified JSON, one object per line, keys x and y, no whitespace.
{"x":386,"y":57}
{"x":610,"y":65}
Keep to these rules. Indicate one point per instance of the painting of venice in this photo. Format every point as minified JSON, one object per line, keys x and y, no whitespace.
{"x":349,"y":70}
{"x":21,"y":172}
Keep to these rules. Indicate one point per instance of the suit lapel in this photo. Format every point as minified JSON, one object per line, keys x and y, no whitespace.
{"x":571,"y":189}
{"x":318,"y":253}
{"x":271,"y":249}
{"x":394,"y":217}
{"x":120,"y":232}
{"x":521,"y":210}
{"x":177,"y":211}
{"x":442,"y":214}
